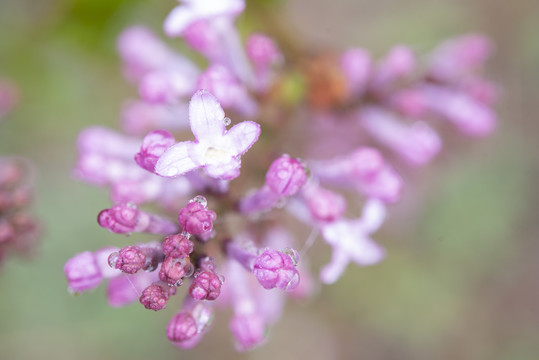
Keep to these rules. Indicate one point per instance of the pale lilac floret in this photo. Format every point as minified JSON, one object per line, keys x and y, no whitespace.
{"x":469,"y":115}
{"x":459,"y":57}
{"x":350,"y":241}
{"x":399,"y":63}
{"x":216,"y":149}
{"x":365,"y":170}
{"x":324,"y":205}
{"x":356,"y":65}
{"x":124,"y":219}
{"x":275,"y":269}
{"x":417,"y":143}
{"x":85,"y":271}
{"x":249,"y":331}
{"x":153,"y":146}
{"x":143,"y":53}
{"x":286,"y":176}
{"x":219,"y":81}
{"x":190,"y":11}
{"x":264,"y":54}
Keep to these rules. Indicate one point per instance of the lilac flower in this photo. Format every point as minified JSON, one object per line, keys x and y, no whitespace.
{"x":191,"y":11}
{"x":324,"y":205}
{"x":365,"y":170}
{"x":350,"y":241}
{"x":124,"y":219}
{"x":417,"y":143}
{"x":356,"y":66}
{"x":177,"y":246}
{"x":272,"y":268}
{"x":131,"y":259}
{"x":155,"y":297}
{"x":284,"y":178}
{"x":153,"y":146}
{"x":216,"y":149}
{"x":85,"y":271}
{"x":399,"y":63}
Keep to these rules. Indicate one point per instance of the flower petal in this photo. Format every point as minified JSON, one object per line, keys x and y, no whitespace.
{"x":176,"y":160}
{"x":224,"y":171}
{"x":206,"y":116}
{"x":242,"y":136}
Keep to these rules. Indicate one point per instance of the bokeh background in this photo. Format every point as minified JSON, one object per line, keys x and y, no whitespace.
{"x":462,"y":277}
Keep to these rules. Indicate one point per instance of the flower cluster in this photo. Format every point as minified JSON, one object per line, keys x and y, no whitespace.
{"x":225,"y":239}
{"x":18,"y":229}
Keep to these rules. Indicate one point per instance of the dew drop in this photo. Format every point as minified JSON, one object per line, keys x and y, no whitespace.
{"x":200,"y":199}
{"x":113,"y":259}
{"x":179,"y":283}
{"x":293,"y":283}
{"x":294,"y":255}
{"x":227,"y":121}
{"x":189,"y":271}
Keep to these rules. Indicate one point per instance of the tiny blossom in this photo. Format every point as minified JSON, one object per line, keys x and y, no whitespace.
{"x":324,"y":204}
{"x":206,"y":285}
{"x":216,"y":149}
{"x":187,"y":327}
{"x":86,"y":271}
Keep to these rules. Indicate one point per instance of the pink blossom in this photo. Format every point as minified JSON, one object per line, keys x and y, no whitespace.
{"x":155,"y":297}
{"x":277,"y":269}
{"x":417,"y":143}
{"x":216,"y":149}
{"x":190,"y":11}
{"x":85,"y":271}
{"x":177,"y":246}
{"x":187,"y":327}
{"x":350,"y":241}
{"x":153,"y":146}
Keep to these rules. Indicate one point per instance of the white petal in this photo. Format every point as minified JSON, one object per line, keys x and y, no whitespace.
{"x":176,"y":160}
{"x":206,"y":117}
{"x":242,"y":136}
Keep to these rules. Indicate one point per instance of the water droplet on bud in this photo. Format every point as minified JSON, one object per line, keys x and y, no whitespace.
{"x":113,"y":259}
{"x":190,"y":270}
{"x":227,"y":121}
{"x":294,"y":255}
{"x":200,"y":199}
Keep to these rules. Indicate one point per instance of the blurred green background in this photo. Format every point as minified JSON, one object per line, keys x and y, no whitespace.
{"x":461,"y":280}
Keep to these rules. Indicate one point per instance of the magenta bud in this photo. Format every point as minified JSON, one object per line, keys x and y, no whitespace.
{"x":206,"y":286}
{"x":181,"y":327}
{"x":120,"y":219}
{"x":324,"y":204}
{"x":286,"y":176}
{"x":196,"y":219}
{"x":154,"y":297}
{"x":174,"y":270}
{"x":262,"y":50}
{"x":177,"y":246}
{"x":129,"y":259}
{"x":276,"y":269}
{"x":153,"y":146}
{"x":249,"y":331}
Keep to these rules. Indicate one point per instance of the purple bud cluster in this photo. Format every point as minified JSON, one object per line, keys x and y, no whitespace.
{"x":361,"y":120}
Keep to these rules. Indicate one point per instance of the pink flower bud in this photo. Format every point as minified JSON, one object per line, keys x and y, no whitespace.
{"x":195,"y":218}
{"x":181,"y":327}
{"x":206,"y":286}
{"x":174,"y":270}
{"x":276,"y":269}
{"x":177,"y":246}
{"x":249,"y":331}
{"x":120,"y":219}
{"x":286,"y":176}
{"x":129,"y":259}
{"x":155,"y":297}
{"x":153,"y":146}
